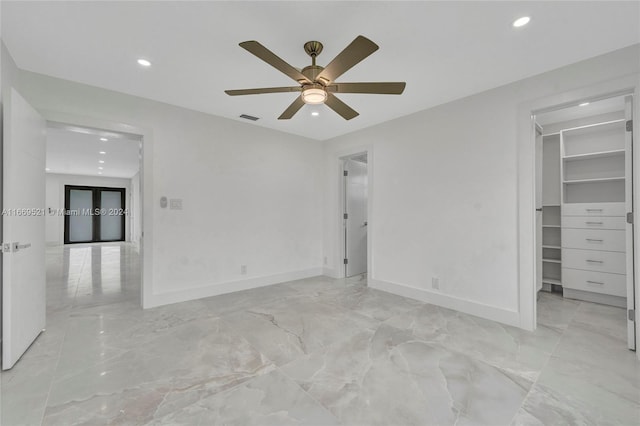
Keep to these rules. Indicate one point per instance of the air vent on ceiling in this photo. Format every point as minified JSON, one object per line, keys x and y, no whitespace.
{"x":249,"y":117}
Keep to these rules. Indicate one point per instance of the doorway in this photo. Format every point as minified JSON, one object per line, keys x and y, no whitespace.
{"x":584,"y":215}
{"x":36,"y":183}
{"x":94,"y":214}
{"x":354,"y":213}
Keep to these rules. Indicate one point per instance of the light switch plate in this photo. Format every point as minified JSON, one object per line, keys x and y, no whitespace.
{"x":175,"y":204}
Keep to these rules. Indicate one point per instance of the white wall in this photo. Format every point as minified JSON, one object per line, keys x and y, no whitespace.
{"x":55,"y":201}
{"x":251,"y":196}
{"x":444,"y":192}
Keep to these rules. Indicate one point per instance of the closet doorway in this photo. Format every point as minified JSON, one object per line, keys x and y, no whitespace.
{"x":94,"y":214}
{"x":584,"y":200}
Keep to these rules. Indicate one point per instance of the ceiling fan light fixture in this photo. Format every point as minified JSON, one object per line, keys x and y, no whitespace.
{"x":314,"y":95}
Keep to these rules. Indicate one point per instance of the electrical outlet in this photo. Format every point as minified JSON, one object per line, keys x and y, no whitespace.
{"x":243,"y":269}
{"x":435,"y":283}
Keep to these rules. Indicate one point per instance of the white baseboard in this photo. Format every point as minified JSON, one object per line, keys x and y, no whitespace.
{"x":216,"y":289}
{"x":481,"y":310}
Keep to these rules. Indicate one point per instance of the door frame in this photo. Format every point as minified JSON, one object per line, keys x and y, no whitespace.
{"x":526,"y":183}
{"x":96,"y":204}
{"x":338,"y":230}
{"x":146,"y":185}
{"x":343,"y":208}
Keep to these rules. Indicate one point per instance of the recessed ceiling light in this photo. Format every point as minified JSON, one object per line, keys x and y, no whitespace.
{"x":99,"y":173}
{"x":47,"y":169}
{"x":521,"y":22}
{"x":104,"y":139}
{"x":584,"y":104}
{"x":315,"y":113}
{"x":101,"y":161}
{"x":102,"y":152}
{"x":100,"y":168}
{"x":144,"y":62}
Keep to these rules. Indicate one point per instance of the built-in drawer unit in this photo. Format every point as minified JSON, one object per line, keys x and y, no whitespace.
{"x":597,"y":282}
{"x":590,"y":260}
{"x":593,"y":223}
{"x":593,"y":239}
{"x":593,"y":209}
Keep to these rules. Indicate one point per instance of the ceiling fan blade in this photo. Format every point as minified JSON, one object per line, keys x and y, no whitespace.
{"x":377,"y":88}
{"x":340,"y":107}
{"x":262,"y":90}
{"x":293,"y":108}
{"x":272,"y":59}
{"x":359,"y":49}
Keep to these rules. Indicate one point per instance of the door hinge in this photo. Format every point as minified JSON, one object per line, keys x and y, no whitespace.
{"x":630,"y":217}
{"x":345,"y":173}
{"x":345,"y":216}
{"x":6,"y":248}
{"x":346,"y":261}
{"x":629,"y":125}
{"x":632,"y":315}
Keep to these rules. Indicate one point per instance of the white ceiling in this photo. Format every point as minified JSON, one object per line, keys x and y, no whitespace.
{"x":443,"y":50}
{"x":76,"y":151}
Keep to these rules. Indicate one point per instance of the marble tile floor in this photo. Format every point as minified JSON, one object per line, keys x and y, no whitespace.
{"x":317,"y":351}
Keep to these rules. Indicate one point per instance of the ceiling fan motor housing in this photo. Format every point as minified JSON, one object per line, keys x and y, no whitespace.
{"x":312,"y":71}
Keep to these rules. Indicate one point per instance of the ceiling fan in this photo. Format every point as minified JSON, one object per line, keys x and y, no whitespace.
{"x":316,"y":83}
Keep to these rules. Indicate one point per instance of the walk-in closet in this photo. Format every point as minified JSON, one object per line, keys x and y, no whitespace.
{"x":585,"y":247}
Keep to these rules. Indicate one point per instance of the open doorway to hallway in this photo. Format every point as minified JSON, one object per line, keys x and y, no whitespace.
{"x":354,"y":210}
{"x":93,"y":224}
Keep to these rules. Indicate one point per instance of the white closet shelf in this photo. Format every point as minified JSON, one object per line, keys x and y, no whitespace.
{"x":551,"y":226}
{"x":551,"y":281}
{"x":550,"y":247}
{"x":551,"y":205}
{"x":592,"y":155}
{"x":609,"y":179}
{"x":552,"y":260}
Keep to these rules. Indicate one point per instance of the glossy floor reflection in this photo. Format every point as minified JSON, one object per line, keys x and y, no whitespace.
{"x":315,"y":351}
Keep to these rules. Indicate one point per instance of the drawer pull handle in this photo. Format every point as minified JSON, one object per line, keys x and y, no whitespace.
{"x":594,"y":223}
{"x":594,"y":240}
{"x":594,"y":261}
{"x":594,"y":282}
{"x":593,"y":210}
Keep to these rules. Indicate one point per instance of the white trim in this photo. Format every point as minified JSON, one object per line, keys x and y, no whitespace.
{"x":526,"y":181}
{"x":493,"y":313}
{"x":338,"y":158}
{"x":215,"y":289}
{"x":146,"y":186}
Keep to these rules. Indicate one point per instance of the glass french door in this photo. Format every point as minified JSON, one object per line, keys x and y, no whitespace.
{"x":94,"y":214}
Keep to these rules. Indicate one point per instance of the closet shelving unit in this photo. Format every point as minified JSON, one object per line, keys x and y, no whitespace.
{"x":551,"y":217}
{"x":594,"y":174}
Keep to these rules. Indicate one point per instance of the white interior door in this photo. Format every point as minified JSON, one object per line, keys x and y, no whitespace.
{"x":356,"y":217}
{"x":631,"y":325}
{"x":538,"y":175}
{"x":23,"y":222}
